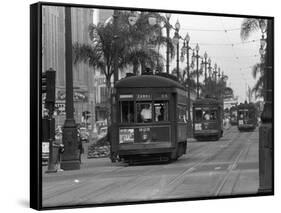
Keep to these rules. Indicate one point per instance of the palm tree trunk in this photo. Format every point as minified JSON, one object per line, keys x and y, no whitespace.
{"x":109,"y":101}
{"x":142,"y":67}
{"x":135,"y":68}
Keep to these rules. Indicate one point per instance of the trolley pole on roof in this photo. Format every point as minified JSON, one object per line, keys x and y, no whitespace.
{"x":265,"y":131}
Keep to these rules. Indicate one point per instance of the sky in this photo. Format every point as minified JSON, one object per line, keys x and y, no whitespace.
{"x":220,"y":38}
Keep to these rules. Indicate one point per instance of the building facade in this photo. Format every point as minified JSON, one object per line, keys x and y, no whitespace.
{"x":53,"y":56}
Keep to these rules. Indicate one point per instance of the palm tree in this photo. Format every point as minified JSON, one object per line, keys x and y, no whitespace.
{"x":145,"y":44}
{"x":249,"y":26}
{"x":258,"y":70}
{"x":130,"y":42}
{"x":192,"y":82}
{"x":99,"y":54}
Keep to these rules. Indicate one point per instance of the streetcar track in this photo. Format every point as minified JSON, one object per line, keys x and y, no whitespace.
{"x":137,"y":179}
{"x":177,"y":178}
{"x":191,"y":169}
{"x":235,"y":182}
{"x":230,"y":169}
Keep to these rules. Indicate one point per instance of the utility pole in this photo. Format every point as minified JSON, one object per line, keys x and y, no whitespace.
{"x":70,"y":157}
{"x":266,"y":131}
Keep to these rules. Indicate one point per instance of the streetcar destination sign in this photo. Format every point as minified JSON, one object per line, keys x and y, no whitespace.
{"x":126,"y":96}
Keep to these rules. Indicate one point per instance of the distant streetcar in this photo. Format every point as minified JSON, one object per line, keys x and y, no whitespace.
{"x":247,"y":116}
{"x":207,"y":119}
{"x":150,"y":119}
{"x":233,"y":115}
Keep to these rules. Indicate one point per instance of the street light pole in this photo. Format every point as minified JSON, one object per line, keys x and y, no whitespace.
{"x":187,"y":38}
{"x":197,"y":69}
{"x":185,"y":50}
{"x":209,"y":67}
{"x":176,"y":42}
{"x":115,"y":54}
{"x":205,"y":63}
{"x":168,"y":26}
{"x":215,"y":73}
{"x":70,"y":157}
{"x":210,"y":76}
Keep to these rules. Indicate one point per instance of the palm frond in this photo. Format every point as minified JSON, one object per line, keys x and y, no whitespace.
{"x":248,"y":26}
{"x":256,"y":70}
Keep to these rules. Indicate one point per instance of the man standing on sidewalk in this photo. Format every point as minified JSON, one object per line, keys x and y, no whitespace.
{"x":80,"y":148}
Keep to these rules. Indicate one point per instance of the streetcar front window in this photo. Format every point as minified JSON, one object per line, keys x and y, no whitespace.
{"x":144,"y":112}
{"x":243,"y":114}
{"x":160,"y":111}
{"x":252,"y":114}
{"x":127,"y":112}
{"x":205,"y":114}
{"x":198,"y":114}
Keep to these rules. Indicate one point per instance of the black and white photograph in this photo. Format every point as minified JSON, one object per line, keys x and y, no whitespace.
{"x":145,"y":105}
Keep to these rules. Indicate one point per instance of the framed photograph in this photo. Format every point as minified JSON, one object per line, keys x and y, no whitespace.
{"x":139,"y":105}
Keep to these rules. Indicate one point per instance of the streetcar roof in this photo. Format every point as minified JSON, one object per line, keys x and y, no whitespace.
{"x":148,"y":81}
{"x":207,"y":101}
{"x":246,"y":105}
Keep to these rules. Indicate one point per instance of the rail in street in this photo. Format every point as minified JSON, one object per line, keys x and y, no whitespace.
{"x":210,"y":168}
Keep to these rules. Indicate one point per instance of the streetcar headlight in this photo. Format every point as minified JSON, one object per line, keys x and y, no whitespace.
{"x":126,"y":136}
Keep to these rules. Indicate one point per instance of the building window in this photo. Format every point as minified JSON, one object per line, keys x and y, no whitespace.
{"x":205,"y":114}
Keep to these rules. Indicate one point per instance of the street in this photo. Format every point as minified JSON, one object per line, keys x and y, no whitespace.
{"x":228,"y":166}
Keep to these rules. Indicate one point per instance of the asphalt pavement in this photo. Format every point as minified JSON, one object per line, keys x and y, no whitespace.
{"x":210,"y":168}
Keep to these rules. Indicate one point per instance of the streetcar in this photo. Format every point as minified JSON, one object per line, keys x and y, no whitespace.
{"x":233,"y":115}
{"x":207,"y":119}
{"x":247,"y":117}
{"x":150,"y":119}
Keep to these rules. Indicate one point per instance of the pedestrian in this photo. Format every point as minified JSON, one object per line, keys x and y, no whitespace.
{"x":60,"y":152}
{"x":80,"y":149}
{"x":146,"y":113}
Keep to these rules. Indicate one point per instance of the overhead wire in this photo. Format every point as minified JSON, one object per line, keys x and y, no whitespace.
{"x":227,"y":44}
{"x":210,"y":30}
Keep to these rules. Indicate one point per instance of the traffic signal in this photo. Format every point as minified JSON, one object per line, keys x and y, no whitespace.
{"x":48,"y":86}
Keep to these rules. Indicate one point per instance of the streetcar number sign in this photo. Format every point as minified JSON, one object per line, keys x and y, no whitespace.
{"x":198,"y":127}
{"x":126,"y":135}
{"x":144,"y":96}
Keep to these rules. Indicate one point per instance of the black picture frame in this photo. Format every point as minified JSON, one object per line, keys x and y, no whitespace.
{"x":36,"y":130}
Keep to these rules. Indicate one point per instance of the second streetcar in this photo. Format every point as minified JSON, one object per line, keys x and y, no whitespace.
{"x":247,"y":117}
{"x":207,"y":119}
